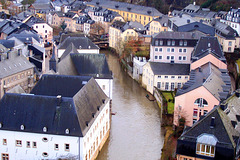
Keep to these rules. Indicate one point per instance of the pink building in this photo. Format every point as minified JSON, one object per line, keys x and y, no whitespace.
{"x":173,"y":46}
{"x":209,"y":82}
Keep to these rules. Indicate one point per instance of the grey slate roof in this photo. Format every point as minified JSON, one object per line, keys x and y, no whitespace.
{"x":208,"y":45}
{"x":94,"y":65}
{"x":138,"y":9}
{"x":192,"y":7}
{"x":78,"y":42}
{"x":159,"y":68}
{"x":52,"y":85}
{"x":23,"y":15}
{"x":13,"y":65}
{"x":70,"y":49}
{"x":7,"y":43}
{"x":224,"y":30}
{"x":38,"y":111}
{"x":178,"y":35}
{"x":225,"y":134}
{"x":25,"y":36}
{"x":16,"y":89}
{"x":216,"y":81}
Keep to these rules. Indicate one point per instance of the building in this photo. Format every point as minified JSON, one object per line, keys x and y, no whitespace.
{"x":227,"y":36}
{"x":186,"y":23}
{"x":157,"y":25}
{"x":40,"y":5}
{"x":120,"y":32}
{"x":164,"y":76}
{"x":213,"y":137}
{"x":138,"y":63}
{"x":173,"y":47}
{"x":42,"y":28}
{"x":15,"y":70}
{"x":93,"y":65}
{"x":232,"y":19}
{"x":130,"y":12}
{"x":209,"y":82}
{"x":191,"y":8}
{"x":66,"y":127}
{"x":81,"y":44}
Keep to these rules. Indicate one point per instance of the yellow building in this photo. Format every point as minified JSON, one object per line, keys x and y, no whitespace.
{"x":130,"y":12}
{"x":158,"y":25}
{"x":123,"y":31}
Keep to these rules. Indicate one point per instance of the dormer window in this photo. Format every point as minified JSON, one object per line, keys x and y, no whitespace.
{"x":206,"y":145}
{"x":201,"y":102}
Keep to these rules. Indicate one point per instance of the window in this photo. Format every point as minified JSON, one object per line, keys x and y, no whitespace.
{"x":156,"y":57}
{"x":4,"y":141}
{"x":172,"y":57}
{"x":156,"y":42}
{"x":103,"y":87}
{"x":173,"y":43}
{"x":45,"y":31}
{"x":67,"y":147}
{"x":230,"y":43}
{"x":168,"y":57}
{"x":168,"y":42}
{"x":179,"y":85}
{"x":45,"y":36}
{"x":180,"y":58}
{"x":166,"y":77}
{"x":194,"y":121}
{"x":206,"y":150}
{"x":229,"y":49}
{"x":205,"y":112}
{"x":159,"y":76}
{"x":201,"y":102}
{"x":166,"y":86}
{"x":45,"y":154}
{"x":56,"y":146}
{"x":181,"y":43}
{"x":36,"y":26}
{"x":5,"y":156}
{"x":185,"y":43}
{"x":159,"y":85}
{"x":28,"y":144}
{"x":43,"y":26}
{"x":160,"y":49}
{"x":161,"y":42}
{"x":172,"y":86}
{"x":172,"y":49}
{"x":156,"y":49}
{"x":184,"y":58}
{"x":195,"y":111}
{"x":179,"y":77}
{"x":180,"y":50}
{"x":160,"y":57}
{"x":185,"y":50}
{"x":168,"y":49}
{"x":44,"y":139}
{"x":173,"y":77}
{"x":18,"y":143}
{"x":34,"y":144}
{"x":186,"y":77}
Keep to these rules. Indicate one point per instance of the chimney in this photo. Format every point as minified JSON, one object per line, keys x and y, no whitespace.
{"x":194,"y":3}
{"x":212,"y":122}
{"x":59,"y":100}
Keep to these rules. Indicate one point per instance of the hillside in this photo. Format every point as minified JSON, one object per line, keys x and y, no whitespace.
{"x":164,"y":5}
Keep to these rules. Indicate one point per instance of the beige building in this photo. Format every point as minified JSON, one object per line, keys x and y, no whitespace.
{"x":158,"y":25}
{"x":164,"y":76}
{"x":119,"y":32}
{"x":15,"y":70}
{"x":227,"y":36}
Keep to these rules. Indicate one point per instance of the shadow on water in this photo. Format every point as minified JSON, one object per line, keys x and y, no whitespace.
{"x":136,"y":128}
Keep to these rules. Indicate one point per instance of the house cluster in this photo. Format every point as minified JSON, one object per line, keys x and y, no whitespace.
{"x":55,"y":101}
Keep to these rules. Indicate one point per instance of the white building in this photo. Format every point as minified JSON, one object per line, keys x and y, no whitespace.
{"x":42,"y":125}
{"x":138,"y":63}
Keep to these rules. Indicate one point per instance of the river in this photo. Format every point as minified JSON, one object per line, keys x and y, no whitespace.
{"x":136,"y":131}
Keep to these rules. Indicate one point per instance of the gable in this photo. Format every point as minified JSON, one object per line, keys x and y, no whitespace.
{"x":206,"y":59}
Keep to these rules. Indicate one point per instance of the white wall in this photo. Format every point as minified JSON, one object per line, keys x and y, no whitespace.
{"x":106,"y":86}
{"x":36,"y":153}
{"x":102,"y":122}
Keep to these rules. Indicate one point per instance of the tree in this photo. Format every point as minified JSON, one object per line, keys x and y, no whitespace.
{"x":24,"y":2}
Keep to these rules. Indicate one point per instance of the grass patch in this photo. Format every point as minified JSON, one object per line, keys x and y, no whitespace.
{"x":170,"y":101}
